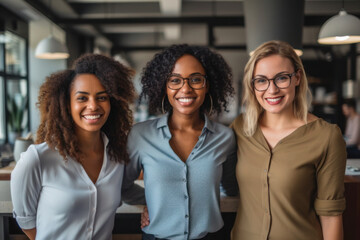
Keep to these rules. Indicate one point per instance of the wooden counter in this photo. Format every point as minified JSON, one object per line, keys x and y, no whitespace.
{"x":5,"y":172}
{"x":351,"y":215}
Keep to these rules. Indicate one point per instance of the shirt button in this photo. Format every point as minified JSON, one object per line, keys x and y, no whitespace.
{"x":185,"y":233}
{"x":265,"y":170}
{"x":185,"y":197}
{"x":186,"y":216}
{"x":266,"y":211}
{"x":184,"y":180}
{"x":192,"y":153}
{"x":264,"y":184}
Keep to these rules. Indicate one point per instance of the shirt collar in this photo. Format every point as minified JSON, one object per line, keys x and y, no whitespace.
{"x":163,"y":123}
{"x":105,"y":139}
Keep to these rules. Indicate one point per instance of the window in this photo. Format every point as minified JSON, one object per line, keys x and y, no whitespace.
{"x":14,"y":114}
{"x":2,"y":111}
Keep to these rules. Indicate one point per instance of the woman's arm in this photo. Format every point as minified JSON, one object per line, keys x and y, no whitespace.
{"x":25,"y":188}
{"x":31,"y":233}
{"x":332,"y":227}
{"x":132,"y":193}
{"x":229,"y":183}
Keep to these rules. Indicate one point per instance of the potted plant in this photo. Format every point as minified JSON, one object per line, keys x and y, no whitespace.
{"x":16,"y":110}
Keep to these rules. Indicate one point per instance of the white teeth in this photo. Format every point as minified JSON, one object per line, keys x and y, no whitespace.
{"x":185,"y":100}
{"x":92,"y":117}
{"x":273,"y":99}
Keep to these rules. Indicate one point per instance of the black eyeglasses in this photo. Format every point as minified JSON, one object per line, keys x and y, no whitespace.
{"x":281,"y":81}
{"x":195,"y":81}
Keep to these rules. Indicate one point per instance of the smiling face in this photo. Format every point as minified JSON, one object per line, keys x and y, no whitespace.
{"x":275,"y":100}
{"x":187,"y":100}
{"x":89,"y":103}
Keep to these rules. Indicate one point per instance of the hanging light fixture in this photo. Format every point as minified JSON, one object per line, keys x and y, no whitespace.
{"x":342,"y":28}
{"x":50,"y":47}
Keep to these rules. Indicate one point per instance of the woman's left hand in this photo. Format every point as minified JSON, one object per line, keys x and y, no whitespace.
{"x":145,"y":221}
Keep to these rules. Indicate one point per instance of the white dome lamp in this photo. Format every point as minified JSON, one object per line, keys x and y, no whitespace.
{"x":51,"y":48}
{"x":342,"y":28}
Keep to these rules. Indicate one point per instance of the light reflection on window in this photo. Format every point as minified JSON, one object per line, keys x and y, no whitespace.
{"x":15,"y":55}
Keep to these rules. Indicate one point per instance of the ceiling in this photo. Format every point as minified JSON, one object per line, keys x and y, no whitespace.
{"x":153,"y":24}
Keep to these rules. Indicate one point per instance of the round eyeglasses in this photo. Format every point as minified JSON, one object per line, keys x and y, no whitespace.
{"x":196,"y":81}
{"x":281,"y":81}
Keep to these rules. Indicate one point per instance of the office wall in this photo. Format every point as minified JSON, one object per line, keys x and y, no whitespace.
{"x":40,"y":68}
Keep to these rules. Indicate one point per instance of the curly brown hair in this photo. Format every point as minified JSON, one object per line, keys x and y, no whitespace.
{"x":57,"y":127}
{"x":158,"y":70}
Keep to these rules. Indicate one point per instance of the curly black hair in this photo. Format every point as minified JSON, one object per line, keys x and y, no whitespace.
{"x":57,"y":127}
{"x":159,"y":69}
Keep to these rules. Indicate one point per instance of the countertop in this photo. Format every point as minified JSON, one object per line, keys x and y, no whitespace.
{"x":227,"y":204}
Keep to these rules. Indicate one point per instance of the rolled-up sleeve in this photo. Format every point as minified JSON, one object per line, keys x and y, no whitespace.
{"x":330,"y":200}
{"x":25,"y":188}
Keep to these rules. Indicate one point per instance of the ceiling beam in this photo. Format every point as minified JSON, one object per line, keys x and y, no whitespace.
{"x":235,"y":20}
{"x":43,"y":9}
{"x":120,"y":49}
{"x":214,"y":20}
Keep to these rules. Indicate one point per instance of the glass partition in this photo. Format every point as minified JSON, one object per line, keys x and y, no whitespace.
{"x":16,"y":107}
{"x":2,"y":111}
{"x":14,"y":113}
{"x":15,"y":54}
{"x":2,"y":46}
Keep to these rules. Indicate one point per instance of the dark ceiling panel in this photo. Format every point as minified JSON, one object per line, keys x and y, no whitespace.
{"x":116,"y":8}
{"x":216,"y":21}
{"x":228,"y":20}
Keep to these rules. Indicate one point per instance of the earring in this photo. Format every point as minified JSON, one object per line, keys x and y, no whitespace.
{"x":162,"y":105}
{"x":211,"y":104}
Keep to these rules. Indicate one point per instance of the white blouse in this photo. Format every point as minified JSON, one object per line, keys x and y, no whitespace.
{"x":60,"y":200}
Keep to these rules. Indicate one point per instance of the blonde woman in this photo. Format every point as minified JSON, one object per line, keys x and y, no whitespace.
{"x":291,"y":164}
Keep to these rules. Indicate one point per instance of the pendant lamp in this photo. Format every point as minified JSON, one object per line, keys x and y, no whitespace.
{"x":50,"y":47}
{"x":342,"y":28}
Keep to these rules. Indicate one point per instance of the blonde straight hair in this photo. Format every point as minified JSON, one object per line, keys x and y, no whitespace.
{"x":252,"y":107}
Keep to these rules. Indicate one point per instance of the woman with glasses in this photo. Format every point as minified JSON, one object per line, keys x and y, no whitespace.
{"x":291,"y":164}
{"x":184,"y":155}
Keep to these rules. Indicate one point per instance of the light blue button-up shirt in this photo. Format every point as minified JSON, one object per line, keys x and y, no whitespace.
{"x":60,"y":200}
{"x":183,"y":198}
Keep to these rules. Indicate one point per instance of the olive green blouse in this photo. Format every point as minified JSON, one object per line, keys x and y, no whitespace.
{"x":284,"y":189}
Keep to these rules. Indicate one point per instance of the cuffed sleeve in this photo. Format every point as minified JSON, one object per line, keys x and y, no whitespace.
{"x":329,"y":207}
{"x":330,"y":198}
{"x":25,"y":188}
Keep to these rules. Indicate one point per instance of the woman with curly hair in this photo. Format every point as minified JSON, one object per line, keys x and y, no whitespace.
{"x":291,"y":164}
{"x":68,"y":185}
{"x":184,"y":154}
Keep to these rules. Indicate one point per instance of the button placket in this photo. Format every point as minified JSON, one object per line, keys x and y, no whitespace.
{"x":186,"y":199}
{"x":93,"y":203}
{"x":266,"y":197}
